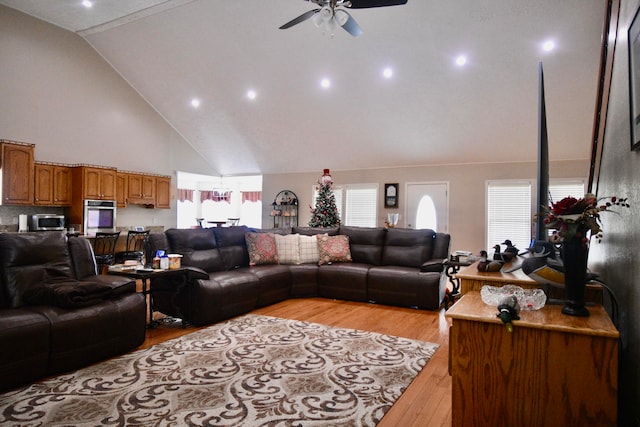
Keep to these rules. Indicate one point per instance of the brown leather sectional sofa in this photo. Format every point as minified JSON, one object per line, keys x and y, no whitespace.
{"x":393,"y":266}
{"x":56,"y":314}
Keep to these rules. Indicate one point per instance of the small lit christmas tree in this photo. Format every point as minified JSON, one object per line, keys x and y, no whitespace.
{"x":325,"y":214}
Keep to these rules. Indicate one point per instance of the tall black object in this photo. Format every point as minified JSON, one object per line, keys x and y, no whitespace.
{"x":542,"y":200}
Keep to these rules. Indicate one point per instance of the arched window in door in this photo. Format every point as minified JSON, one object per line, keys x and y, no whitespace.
{"x":426,"y":215}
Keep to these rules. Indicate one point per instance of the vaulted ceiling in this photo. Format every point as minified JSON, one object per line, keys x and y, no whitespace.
{"x":429,"y":111}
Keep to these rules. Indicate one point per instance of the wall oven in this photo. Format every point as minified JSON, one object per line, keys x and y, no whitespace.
{"x":99,"y":215}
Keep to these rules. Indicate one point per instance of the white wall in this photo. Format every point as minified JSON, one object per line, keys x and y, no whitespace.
{"x":59,"y":94}
{"x":466,"y":186}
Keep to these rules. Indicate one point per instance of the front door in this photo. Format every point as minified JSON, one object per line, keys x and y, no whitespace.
{"x":427,"y":206}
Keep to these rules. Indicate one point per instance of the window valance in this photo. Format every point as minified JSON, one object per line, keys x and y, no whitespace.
{"x":251,"y":196}
{"x":185,"y":194}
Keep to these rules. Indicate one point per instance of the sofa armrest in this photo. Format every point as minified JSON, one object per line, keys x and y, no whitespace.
{"x":195,"y":273}
{"x":433,"y":266}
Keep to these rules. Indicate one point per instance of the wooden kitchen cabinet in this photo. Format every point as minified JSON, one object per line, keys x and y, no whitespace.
{"x":163,"y":192}
{"x":52,"y":185}
{"x":95,"y":183}
{"x":141,"y":189}
{"x":17,"y":168}
{"x":122,"y":187}
{"x":552,"y":370}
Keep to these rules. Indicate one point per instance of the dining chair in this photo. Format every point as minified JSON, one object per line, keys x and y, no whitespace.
{"x":104,"y":248}
{"x":232,"y":222}
{"x":136,"y":245}
{"x":200,"y":222}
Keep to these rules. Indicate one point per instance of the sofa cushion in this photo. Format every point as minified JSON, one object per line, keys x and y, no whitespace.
{"x":288,"y":248}
{"x":82,"y":257}
{"x":198,"y":248}
{"x":29,"y":259}
{"x":333,"y":249}
{"x":408,"y":248}
{"x":312,"y":231}
{"x":24,"y":336}
{"x":232,"y":245}
{"x":308,"y":249}
{"x":365,"y":243}
{"x":262,"y":248}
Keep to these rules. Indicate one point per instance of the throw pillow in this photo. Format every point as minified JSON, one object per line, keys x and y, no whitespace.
{"x":288,"y":248}
{"x":262,"y":248}
{"x":333,"y":249}
{"x":308,"y":249}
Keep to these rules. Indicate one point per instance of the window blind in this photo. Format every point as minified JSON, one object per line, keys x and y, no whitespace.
{"x":360,"y":206}
{"x":509,"y":213}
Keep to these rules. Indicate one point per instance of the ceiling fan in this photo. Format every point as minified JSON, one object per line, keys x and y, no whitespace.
{"x":331,"y":14}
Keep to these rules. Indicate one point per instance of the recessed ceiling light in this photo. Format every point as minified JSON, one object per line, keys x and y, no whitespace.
{"x":461,"y":60}
{"x":251,"y":94}
{"x":387,"y":73}
{"x":548,"y":46}
{"x":195,"y":102}
{"x":325,"y":83}
{"x":86,"y":3}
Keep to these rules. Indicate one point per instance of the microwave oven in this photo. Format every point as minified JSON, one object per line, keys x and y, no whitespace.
{"x":99,"y":215}
{"x":46,"y":222}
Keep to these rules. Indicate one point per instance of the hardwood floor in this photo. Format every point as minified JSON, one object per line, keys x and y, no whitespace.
{"x":427,"y":401}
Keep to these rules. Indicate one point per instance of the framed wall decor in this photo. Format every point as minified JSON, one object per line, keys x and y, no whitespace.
{"x":634,"y":80}
{"x":391,"y":195}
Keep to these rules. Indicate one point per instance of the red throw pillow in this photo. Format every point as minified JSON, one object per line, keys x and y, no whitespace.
{"x":333,"y":249}
{"x":262,"y":248}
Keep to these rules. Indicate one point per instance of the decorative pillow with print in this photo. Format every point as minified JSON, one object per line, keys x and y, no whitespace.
{"x":333,"y":249}
{"x":288,"y":249}
{"x":262,"y":248}
{"x":308,"y":249}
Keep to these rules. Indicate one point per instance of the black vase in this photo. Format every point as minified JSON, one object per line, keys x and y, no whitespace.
{"x":574,"y":258}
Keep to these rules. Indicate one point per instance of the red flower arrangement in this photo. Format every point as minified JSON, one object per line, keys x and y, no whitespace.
{"x":572,"y":217}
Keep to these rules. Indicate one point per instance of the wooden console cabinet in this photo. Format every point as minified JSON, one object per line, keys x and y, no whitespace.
{"x":17,"y":168}
{"x":552,"y":370}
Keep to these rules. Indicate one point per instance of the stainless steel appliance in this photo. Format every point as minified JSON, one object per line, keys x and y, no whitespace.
{"x":99,"y":215}
{"x":45,"y":222}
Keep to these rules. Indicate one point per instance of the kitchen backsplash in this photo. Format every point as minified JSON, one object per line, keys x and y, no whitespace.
{"x":9,"y":214}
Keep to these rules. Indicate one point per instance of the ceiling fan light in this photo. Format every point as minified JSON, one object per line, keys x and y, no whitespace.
{"x":341,"y":17}
{"x":326,"y":13}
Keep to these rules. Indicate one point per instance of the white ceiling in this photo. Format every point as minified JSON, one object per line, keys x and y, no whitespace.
{"x":430,"y":112}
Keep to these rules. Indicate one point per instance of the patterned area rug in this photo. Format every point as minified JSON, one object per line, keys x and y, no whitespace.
{"x":249,"y":371}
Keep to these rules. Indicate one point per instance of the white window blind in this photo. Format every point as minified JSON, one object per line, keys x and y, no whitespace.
{"x":509,"y":213}
{"x":360,"y":206}
{"x":510,"y":210}
{"x":558,"y":190}
{"x":356,"y":203}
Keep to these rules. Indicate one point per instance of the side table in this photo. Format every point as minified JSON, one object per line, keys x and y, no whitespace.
{"x":451,"y":268}
{"x":146,"y":276}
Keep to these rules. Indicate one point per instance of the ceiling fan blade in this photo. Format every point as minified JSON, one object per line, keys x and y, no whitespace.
{"x":300,"y":19}
{"x":347,"y":22}
{"x":363,"y":4}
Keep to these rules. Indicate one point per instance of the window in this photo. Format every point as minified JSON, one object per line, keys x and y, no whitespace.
{"x":426,"y":216}
{"x":510,"y":208}
{"x":360,"y":209}
{"x":509,"y":213}
{"x":356,"y":203}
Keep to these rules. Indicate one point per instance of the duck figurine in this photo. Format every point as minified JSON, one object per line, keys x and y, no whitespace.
{"x":497,"y":255}
{"x":543,"y":265}
{"x":486,"y":265}
{"x":511,"y":252}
